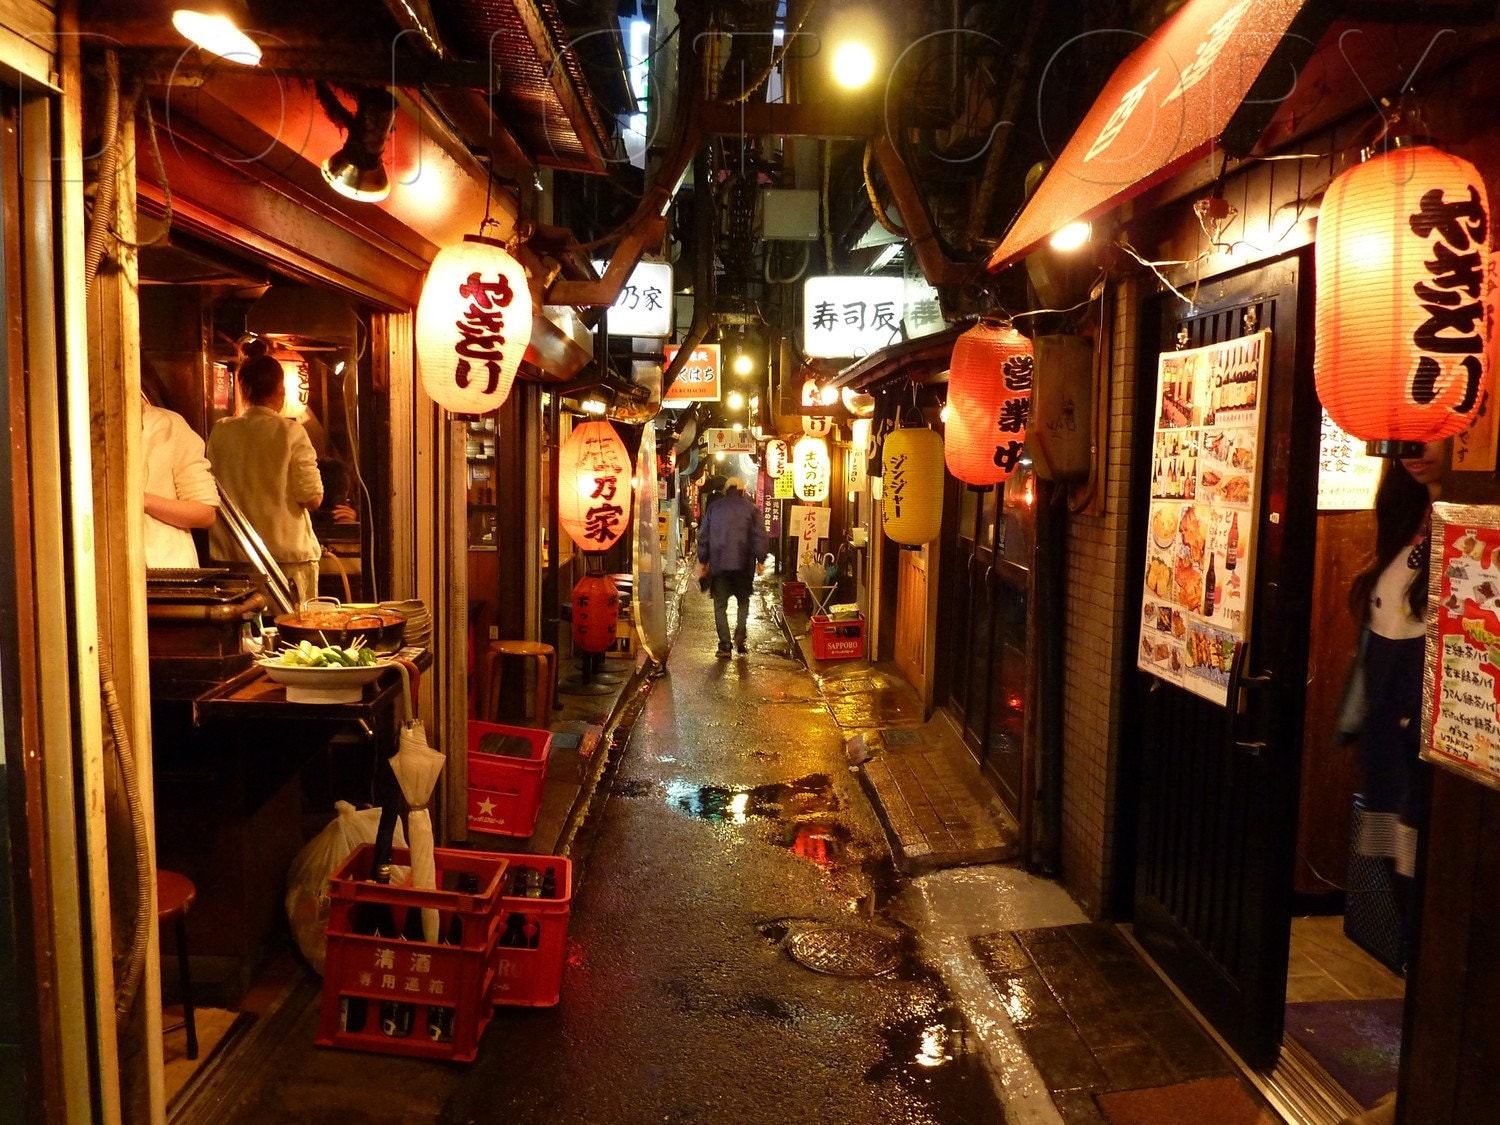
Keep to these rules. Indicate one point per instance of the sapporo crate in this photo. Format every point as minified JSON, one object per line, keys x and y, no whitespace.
{"x":837,"y":640}
{"x":435,"y":982}
{"x":531,"y":976}
{"x":505,"y":793}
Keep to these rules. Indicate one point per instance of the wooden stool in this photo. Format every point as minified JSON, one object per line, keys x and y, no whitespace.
{"x":546,"y":676}
{"x":175,"y":895}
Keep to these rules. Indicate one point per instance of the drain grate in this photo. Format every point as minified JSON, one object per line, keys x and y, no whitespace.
{"x":845,"y":951}
{"x":902,"y":739}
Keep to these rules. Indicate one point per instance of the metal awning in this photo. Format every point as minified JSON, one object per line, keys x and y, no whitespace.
{"x":1213,"y":73}
{"x":916,"y":359}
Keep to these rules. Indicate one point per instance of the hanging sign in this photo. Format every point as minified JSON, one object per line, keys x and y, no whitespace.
{"x":786,"y":486}
{"x":1459,"y":680}
{"x":644,"y":306}
{"x":698,"y":381}
{"x":1347,"y":475}
{"x":729,"y":441}
{"x":809,"y":525}
{"x":1200,"y":537}
{"x":844,"y":317}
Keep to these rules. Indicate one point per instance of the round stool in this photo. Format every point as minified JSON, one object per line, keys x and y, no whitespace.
{"x":546,"y":676}
{"x":175,"y":895}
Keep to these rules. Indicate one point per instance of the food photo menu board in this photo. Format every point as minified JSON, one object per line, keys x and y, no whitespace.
{"x":1463,"y":642}
{"x":1200,"y":537}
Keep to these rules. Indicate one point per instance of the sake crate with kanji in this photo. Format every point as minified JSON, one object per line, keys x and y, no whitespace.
{"x":533,"y":944}
{"x":388,"y":990}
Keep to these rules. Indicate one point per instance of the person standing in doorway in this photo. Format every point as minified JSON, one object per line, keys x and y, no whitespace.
{"x":731,"y":543}
{"x":180,"y":492}
{"x":266,"y":465}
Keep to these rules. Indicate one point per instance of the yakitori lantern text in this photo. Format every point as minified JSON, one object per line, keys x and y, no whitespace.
{"x":473,"y":325}
{"x":1405,"y":298}
{"x":912,"y":496}
{"x":776,"y":458}
{"x":989,"y":394}
{"x":594,"y":486}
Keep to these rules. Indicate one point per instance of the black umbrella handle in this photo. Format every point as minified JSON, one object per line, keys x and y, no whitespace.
{"x":388,"y":791}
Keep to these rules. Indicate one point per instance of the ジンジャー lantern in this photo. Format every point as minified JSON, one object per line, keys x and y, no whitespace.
{"x":989,"y":393}
{"x":912,"y":496}
{"x":594,"y":486}
{"x":473,"y":325}
{"x":1405,"y":298}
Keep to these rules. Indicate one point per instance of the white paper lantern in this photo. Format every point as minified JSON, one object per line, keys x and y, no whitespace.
{"x":776,"y":458}
{"x":473,"y":325}
{"x":811,"y":468}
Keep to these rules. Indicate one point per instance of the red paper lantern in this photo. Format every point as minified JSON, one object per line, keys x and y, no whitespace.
{"x":596,"y":612}
{"x":989,"y":393}
{"x":473,"y":325}
{"x":593,"y":486}
{"x":1405,"y":298}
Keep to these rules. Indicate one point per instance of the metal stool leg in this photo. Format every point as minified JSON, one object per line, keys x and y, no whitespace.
{"x":186,"y":984}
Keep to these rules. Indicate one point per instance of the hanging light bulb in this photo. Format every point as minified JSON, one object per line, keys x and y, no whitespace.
{"x":214,"y":26}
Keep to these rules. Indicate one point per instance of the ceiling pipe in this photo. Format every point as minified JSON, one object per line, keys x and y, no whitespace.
{"x":932,"y":256}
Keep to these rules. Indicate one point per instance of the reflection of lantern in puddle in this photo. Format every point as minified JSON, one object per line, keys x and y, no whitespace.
{"x":816,"y":843}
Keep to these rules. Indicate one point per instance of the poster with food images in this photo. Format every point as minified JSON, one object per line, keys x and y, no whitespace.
{"x":1462,"y":668}
{"x":1201,"y":530}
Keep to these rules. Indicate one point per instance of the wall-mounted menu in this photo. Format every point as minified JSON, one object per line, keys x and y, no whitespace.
{"x":1462,"y":668}
{"x":1200,"y":537}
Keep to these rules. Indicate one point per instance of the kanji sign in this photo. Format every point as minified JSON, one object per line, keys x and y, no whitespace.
{"x":644,"y":306}
{"x":844,"y":317}
{"x":594,"y":486}
{"x":698,"y":381}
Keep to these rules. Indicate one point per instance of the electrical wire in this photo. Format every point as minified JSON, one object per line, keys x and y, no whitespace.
{"x":1152,"y":266}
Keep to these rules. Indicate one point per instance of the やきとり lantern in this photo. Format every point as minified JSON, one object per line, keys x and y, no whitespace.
{"x":1405,"y":298}
{"x":912,"y":498}
{"x":989,"y":394}
{"x":473,"y":325}
{"x":811,"y":469}
{"x":776,"y":458}
{"x":596,"y":612}
{"x":594,"y":486}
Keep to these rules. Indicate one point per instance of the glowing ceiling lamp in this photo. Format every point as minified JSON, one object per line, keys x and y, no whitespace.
{"x":214,"y":26}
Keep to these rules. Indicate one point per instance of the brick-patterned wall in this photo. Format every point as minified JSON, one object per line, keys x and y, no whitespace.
{"x":1099,"y":610}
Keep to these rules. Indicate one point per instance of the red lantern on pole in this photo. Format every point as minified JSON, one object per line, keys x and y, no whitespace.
{"x":989,"y":393}
{"x":596,"y":612}
{"x":593,"y":486}
{"x":1405,"y":298}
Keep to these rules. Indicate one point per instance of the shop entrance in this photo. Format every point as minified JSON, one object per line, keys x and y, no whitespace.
{"x":1218,"y":783}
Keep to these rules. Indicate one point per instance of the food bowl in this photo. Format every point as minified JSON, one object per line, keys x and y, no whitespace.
{"x":322,"y":685}
{"x":331,"y":623}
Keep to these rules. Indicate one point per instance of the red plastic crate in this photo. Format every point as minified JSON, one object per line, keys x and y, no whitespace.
{"x":505,"y":793}
{"x":532,"y":977}
{"x":793,"y":597}
{"x":429,"y":976}
{"x":837,"y":640}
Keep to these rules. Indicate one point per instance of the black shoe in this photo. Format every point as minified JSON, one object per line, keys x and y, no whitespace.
{"x":723,"y":653}
{"x":740,"y":647}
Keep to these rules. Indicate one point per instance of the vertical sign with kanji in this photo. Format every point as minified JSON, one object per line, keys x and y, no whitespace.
{"x":1347,"y":475}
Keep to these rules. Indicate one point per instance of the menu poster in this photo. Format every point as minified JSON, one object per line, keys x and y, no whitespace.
{"x":1200,"y":538}
{"x":1348,"y":477}
{"x":1460,"y":675}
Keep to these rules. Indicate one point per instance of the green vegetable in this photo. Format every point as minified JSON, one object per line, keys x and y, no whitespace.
{"x":309,"y":655}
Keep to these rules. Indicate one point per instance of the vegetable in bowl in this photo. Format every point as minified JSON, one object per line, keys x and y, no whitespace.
{"x":308,"y":655}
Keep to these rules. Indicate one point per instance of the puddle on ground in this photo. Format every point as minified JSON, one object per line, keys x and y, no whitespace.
{"x":632,"y":787}
{"x":781,"y":801}
{"x":936,"y":1055}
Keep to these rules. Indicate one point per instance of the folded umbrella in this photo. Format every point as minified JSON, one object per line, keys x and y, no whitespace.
{"x":417,"y":766}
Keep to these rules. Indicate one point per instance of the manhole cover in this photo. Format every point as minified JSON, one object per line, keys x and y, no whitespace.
{"x":845,"y":951}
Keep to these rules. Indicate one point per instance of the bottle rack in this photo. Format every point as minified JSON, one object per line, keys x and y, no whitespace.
{"x":531,"y":975}
{"x":441,"y":990}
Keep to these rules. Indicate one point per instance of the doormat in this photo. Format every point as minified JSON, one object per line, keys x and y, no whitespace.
{"x":1358,"y":1042}
{"x":1222,"y":1101}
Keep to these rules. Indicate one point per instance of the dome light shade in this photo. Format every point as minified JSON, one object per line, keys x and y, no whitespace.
{"x":354,"y":174}
{"x":593,"y":486}
{"x":812,"y":468}
{"x":911,"y":502}
{"x":989,"y":394}
{"x":1405,"y":298}
{"x":473,"y":325}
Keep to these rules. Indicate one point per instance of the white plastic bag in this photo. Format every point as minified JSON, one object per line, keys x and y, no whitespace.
{"x":307,"y":881}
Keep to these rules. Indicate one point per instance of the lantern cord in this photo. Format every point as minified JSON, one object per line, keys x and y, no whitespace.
{"x":1071,"y":308}
{"x":1153,"y":267}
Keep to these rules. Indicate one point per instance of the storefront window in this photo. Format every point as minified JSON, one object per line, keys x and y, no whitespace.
{"x":1018,"y":516}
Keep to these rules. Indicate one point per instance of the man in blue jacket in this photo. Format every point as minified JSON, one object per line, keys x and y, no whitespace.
{"x":732,"y":542}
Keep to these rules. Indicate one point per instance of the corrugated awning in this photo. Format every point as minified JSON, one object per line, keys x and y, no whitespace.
{"x":1215,"y":71}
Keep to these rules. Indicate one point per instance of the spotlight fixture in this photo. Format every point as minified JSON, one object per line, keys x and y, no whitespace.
{"x":358,"y":170}
{"x":214,"y":26}
{"x":735,"y":400}
{"x":743,"y":364}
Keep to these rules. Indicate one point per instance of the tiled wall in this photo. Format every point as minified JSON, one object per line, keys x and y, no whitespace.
{"x":1099,"y":610}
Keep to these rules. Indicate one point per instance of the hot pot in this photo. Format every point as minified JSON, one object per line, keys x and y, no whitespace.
{"x":330,"y":623}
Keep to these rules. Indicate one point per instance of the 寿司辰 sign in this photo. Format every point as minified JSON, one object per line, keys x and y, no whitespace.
{"x":844,"y":317}
{"x":698,"y":381}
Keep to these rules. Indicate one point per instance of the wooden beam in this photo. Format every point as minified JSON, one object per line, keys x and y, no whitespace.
{"x":575,"y":103}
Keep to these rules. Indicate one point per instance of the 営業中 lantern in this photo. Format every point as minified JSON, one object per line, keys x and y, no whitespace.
{"x":811,"y":468}
{"x":776,"y":458}
{"x":593,"y":486}
{"x":1405,"y":298}
{"x":912,"y":493}
{"x":989,"y":393}
{"x":473,"y":325}
{"x":596,"y":612}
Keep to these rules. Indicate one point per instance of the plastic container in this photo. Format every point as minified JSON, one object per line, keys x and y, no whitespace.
{"x":441,"y":990}
{"x":531,"y":976}
{"x":505,"y":793}
{"x":793,"y":597}
{"x":837,"y":640}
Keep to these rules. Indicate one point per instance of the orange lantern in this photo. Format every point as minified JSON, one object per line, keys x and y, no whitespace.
{"x":473,"y":325}
{"x":989,"y":393}
{"x":912,"y":495}
{"x":811,"y":468}
{"x":295,"y":377}
{"x":776,"y":458}
{"x":596,"y":612}
{"x":593,"y":486}
{"x":817,"y":426}
{"x":1405,"y":298}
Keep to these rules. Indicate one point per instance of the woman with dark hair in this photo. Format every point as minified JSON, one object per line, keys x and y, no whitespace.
{"x":1390,"y":600}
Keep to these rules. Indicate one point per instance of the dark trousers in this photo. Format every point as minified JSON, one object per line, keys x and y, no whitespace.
{"x":737,"y":584}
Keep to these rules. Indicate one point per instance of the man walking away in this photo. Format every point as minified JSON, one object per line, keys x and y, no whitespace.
{"x":732,"y":542}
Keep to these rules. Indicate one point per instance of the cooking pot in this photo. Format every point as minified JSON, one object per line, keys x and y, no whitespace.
{"x":323,"y":621}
